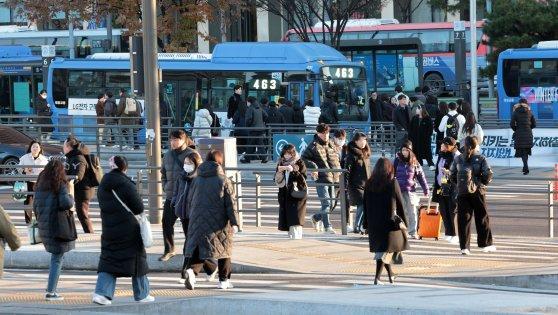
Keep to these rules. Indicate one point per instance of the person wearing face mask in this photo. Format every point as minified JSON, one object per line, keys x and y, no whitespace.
{"x":358,"y":169}
{"x":321,"y":154}
{"x":179,"y":202}
{"x":290,"y":176}
{"x":44,"y":111}
{"x":408,"y":171}
{"x":34,"y":157}
{"x":122,"y":250}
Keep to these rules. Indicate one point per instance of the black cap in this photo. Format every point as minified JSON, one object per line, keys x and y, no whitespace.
{"x":449,"y":141}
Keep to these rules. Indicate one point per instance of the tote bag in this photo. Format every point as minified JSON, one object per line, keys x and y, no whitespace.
{"x":145,"y":226}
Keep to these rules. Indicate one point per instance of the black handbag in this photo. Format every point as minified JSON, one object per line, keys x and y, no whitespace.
{"x":300,"y":193}
{"x":65,"y":227}
{"x":398,"y":223}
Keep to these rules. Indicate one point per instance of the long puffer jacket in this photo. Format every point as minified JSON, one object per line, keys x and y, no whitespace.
{"x":46,"y":204}
{"x":180,"y":196}
{"x":311,"y":117}
{"x":173,"y":163}
{"x":522,"y":123}
{"x":358,"y":168}
{"x":213,"y":213}
{"x":202,"y":123}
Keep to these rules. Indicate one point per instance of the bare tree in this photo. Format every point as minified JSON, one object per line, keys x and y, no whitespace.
{"x":406,"y":8}
{"x":333,"y":15}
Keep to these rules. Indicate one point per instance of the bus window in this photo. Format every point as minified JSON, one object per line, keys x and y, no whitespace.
{"x":435,"y":41}
{"x":221,"y":90}
{"x":118,"y":80}
{"x":511,"y":74}
{"x":59,"y":86}
{"x":86,"y":84}
{"x":308,"y":92}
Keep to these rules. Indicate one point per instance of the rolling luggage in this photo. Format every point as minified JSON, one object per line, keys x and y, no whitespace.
{"x":430,"y":221}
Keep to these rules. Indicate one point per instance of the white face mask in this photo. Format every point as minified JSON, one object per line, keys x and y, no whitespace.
{"x":339,"y":142}
{"x":188,"y":168}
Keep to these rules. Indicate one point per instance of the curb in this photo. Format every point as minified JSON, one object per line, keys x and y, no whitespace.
{"x":75,"y":260}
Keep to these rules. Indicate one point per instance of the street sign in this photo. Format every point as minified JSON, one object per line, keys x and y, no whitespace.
{"x":459,"y":26}
{"x":48,"y":51}
{"x":300,"y":141}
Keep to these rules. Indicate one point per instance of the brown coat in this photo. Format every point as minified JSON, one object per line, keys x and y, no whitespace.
{"x":126,"y":119}
{"x":100,"y":110}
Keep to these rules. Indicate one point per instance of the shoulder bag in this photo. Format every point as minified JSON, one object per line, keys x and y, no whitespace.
{"x":145,"y":226}
{"x":33,"y":233}
{"x":299,"y":193}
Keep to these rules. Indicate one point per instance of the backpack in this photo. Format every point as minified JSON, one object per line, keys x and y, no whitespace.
{"x":452,"y":126}
{"x":131,"y":106}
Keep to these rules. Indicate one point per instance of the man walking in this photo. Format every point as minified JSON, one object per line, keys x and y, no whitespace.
{"x":401,"y":121}
{"x":110,"y":120}
{"x":128,"y":110}
{"x":234,"y":101}
{"x":256,"y":118}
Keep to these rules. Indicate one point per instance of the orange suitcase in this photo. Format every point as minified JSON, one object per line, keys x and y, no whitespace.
{"x":430,"y":221}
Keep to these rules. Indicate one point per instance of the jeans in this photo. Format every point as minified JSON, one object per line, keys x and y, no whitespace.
{"x":110,"y":132}
{"x":106,"y":284}
{"x":54,"y":271}
{"x":325,"y":193}
{"x":359,"y":218}
{"x":410,"y":211}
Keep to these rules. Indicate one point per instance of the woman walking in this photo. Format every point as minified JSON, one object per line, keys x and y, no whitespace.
{"x":421,"y":136}
{"x":36,"y":158}
{"x":408,"y":171}
{"x":443,"y":110}
{"x":179,"y":201}
{"x":51,"y":198}
{"x":213,"y":220}
{"x":357,"y":164}
{"x":522,"y":123}
{"x":444,"y":191}
{"x":470,"y":128}
{"x":122,"y":250}
{"x":471,"y":173}
{"x":384,"y":218}
{"x":290,"y":177}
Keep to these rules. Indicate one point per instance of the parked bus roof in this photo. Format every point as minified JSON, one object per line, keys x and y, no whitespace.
{"x":11,"y":51}
{"x":529,"y":53}
{"x":396,"y":27}
{"x":59,"y":33}
{"x":280,"y":56}
{"x":18,"y":55}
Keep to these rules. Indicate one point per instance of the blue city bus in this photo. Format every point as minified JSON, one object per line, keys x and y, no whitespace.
{"x":530,"y":73}
{"x":296,"y":71}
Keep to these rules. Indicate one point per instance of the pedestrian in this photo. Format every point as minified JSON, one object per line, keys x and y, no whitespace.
{"x":328,"y":109}
{"x":420,"y":95}
{"x":427,"y":92}
{"x":111,"y":122}
{"x":182,"y":209}
{"x":202,"y":123}
{"x":444,"y":192}
{"x":288,"y":112}
{"x":234,"y":101}
{"x":421,"y":136}
{"x":35,"y":160}
{"x":431,"y":106}
{"x":256,"y":119}
{"x":357,"y":164}
{"x":452,"y":123}
{"x":290,"y":177}
{"x":8,"y":235}
{"x":471,"y":173}
{"x":216,"y":123}
{"x":408,"y":172}
{"x":100,"y":112}
{"x":376,"y":110}
{"x":76,"y":165}
{"x":128,"y":111}
{"x":52,"y":197}
{"x":44,"y":111}
{"x":298,"y":117}
{"x":173,"y":164}
{"x":467,"y":93}
{"x":240,"y":131}
{"x":401,"y":121}
{"x":465,"y":108}
{"x":384,"y":218}
{"x":522,"y":123}
{"x":398,"y":92}
{"x":471,"y":128}
{"x":122,"y":250}
{"x":311,"y":116}
{"x":339,"y":142}
{"x":213,"y":221}
{"x":387,"y":108}
{"x":440,"y":114}
{"x":321,"y":154}
{"x":275,"y":117}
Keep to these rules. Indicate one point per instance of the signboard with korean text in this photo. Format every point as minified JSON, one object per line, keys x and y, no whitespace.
{"x":86,"y":106}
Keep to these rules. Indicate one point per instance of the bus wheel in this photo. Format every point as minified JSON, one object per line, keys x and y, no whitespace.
{"x":435,"y":82}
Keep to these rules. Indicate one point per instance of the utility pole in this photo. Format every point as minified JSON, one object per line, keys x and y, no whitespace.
{"x":108,"y":47}
{"x":491,"y":79}
{"x":473,"y":54}
{"x":153,"y":133}
{"x":71,"y":38}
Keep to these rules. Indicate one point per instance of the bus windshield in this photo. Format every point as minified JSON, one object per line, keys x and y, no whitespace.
{"x":348,"y":85}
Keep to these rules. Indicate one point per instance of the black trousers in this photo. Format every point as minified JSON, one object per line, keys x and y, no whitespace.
{"x":82,"y":211}
{"x":256,"y":149}
{"x":467,"y":206}
{"x":29,"y":202}
{"x":448,"y":210}
{"x":169,"y":219}
{"x":209,"y":265}
{"x":194,"y":262}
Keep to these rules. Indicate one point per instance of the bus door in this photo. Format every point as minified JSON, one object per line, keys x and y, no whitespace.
{"x":296,"y":92}
{"x":178,"y":102}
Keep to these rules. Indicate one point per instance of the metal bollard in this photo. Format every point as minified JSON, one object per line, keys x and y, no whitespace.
{"x":343,"y":203}
{"x":238,"y":201}
{"x":258,"y":201}
{"x":550,"y":210}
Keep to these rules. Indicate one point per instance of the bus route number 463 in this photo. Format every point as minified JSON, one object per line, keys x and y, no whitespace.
{"x":264,"y":84}
{"x":344,"y":73}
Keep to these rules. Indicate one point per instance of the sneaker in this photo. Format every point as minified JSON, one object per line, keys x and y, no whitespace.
{"x":190,"y":280}
{"x":349,"y":228}
{"x":432,"y":168}
{"x":454,"y":240}
{"x":330,"y":230}
{"x":488,"y":249}
{"x":225,"y":285}
{"x":101,"y":300}
{"x":147,"y":299}
{"x":211,"y":277}
{"x":167,"y":256}
{"x":378,"y":282}
{"x":53,"y":297}
{"x":465,"y":252}
{"x":181,"y":280}
{"x":448,"y":238}
{"x":315,"y":224}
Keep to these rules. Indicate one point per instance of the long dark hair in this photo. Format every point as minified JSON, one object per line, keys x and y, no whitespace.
{"x":470,"y":123}
{"x":382,"y":176}
{"x":366,"y":151}
{"x":470,"y":145}
{"x":444,"y":109}
{"x":32,"y":143}
{"x":52,"y":177}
